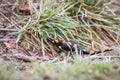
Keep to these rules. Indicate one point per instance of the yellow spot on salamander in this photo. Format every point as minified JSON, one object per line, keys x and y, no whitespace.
{"x":63,"y":41}
{"x":56,"y":41}
{"x":52,"y":41}
{"x":59,"y":47}
{"x":92,"y":52}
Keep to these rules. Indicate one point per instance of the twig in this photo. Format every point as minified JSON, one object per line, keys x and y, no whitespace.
{"x":6,"y":5}
{"x":110,"y":10}
{"x":6,"y":17}
{"x":5,"y":29}
{"x":28,"y":58}
{"x":24,"y":28}
{"x":6,"y":40}
{"x":40,"y":10}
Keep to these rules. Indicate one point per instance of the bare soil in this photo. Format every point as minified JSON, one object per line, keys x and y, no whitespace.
{"x":12,"y":52}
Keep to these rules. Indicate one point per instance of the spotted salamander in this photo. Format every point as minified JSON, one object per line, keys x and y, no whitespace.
{"x":72,"y":46}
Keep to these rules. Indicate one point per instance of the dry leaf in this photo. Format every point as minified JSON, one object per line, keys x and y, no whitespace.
{"x":10,"y":44}
{"x":24,"y":7}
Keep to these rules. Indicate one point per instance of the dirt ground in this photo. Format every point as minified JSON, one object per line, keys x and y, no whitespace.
{"x":11,"y":52}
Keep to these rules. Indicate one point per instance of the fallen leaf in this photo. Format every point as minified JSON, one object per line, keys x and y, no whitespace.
{"x":24,"y":7}
{"x":10,"y":44}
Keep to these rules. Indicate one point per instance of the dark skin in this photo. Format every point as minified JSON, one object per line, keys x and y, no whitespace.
{"x":71,"y":46}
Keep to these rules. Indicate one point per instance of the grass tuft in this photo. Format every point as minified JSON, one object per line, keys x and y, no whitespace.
{"x":86,"y":22}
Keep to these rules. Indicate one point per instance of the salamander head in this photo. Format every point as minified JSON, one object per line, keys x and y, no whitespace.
{"x":49,"y":39}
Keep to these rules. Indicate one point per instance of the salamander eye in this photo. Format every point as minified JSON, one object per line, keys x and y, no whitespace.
{"x":57,"y":41}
